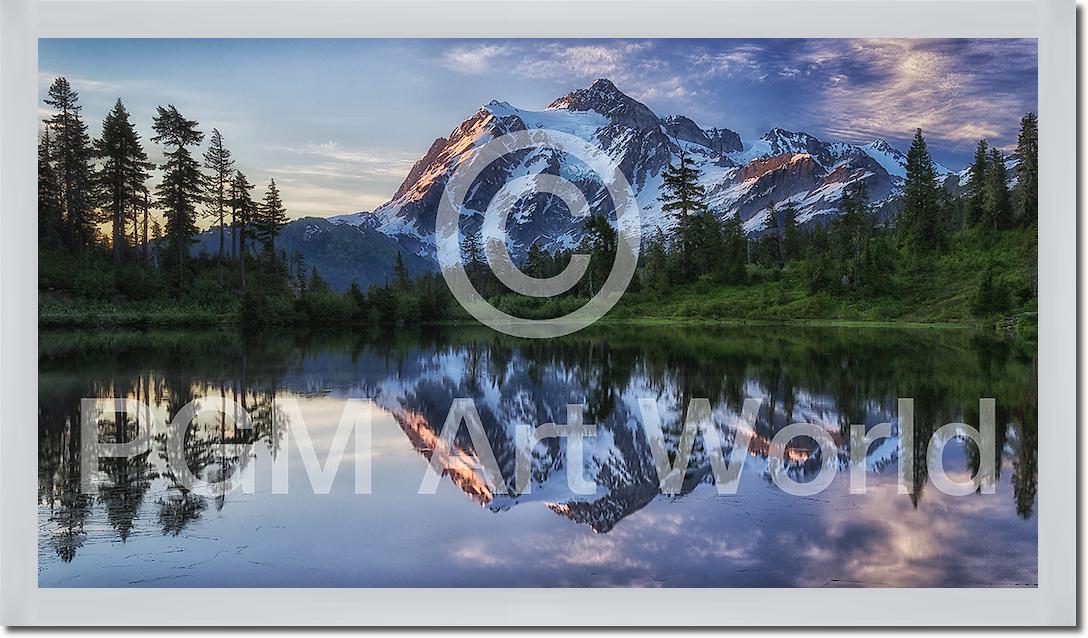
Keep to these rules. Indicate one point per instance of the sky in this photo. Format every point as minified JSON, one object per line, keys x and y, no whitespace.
{"x":339,"y":123}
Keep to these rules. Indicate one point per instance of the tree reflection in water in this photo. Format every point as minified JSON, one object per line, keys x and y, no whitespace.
{"x":829,"y":376}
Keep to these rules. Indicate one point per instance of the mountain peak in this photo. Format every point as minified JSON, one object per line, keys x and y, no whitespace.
{"x":603,"y":84}
{"x":603,"y":97}
{"x":880,"y":144}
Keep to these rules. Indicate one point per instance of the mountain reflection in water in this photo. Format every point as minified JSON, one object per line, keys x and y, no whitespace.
{"x":143,"y":529}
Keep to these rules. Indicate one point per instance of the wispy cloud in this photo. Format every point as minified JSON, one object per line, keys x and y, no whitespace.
{"x":958,"y":92}
{"x":330,"y":158}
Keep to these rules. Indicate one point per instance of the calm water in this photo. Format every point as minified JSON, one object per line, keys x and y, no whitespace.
{"x":142,"y":529}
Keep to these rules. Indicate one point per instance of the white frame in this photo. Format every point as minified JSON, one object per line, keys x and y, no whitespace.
{"x":1051,"y":21}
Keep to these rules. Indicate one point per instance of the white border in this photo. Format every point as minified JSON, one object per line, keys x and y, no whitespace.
{"x":1052,"y":21}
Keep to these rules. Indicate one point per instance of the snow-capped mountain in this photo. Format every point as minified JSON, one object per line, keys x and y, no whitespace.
{"x":740,"y":179}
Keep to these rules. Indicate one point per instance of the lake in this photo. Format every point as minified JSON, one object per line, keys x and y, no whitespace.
{"x":144,"y":529}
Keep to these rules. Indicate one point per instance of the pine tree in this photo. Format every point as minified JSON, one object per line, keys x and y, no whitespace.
{"x":791,"y":234}
{"x":684,"y":195}
{"x":72,"y":153}
{"x":122,"y":174}
{"x":921,"y":217}
{"x":850,"y":235}
{"x":654,"y":272}
{"x":536,"y":262}
{"x":50,"y":196}
{"x":156,"y":237}
{"x":217,"y":159}
{"x":317,"y":283}
{"x":400,"y":273}
{"x":734,"y":250}
{"x":179,"y":192}
{"x":706,"y":245}
{"x":1027,"y":191}
{"x":300,"y":271}
{"x":271,"y":217}
{"x":472,"y":252}
{"x":998,"y":206}
{"x":600,"y":240}
{"x":977,"y":183}
{"x":243,"y":209}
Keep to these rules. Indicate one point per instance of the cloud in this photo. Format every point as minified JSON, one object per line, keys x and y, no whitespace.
{"x":317,"y":178}
{"x":331,"y":159}
{"x":956,"y":91}
{"x":745,"y":61}
{"x":473,"y":59}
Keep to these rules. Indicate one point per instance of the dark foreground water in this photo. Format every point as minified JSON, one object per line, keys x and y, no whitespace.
{"x":143,"y":529}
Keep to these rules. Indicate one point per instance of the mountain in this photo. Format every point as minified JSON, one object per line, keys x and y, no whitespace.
{"x":343,"y":252}
{"x":740,"y":179}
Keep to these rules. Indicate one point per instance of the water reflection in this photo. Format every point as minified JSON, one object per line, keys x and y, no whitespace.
{"x":625,"y":534}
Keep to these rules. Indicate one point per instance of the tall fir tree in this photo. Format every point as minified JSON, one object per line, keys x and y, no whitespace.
{"x":400,"y":273}
{"x":220,"y":166}
{"x":850,"y":235}
{"x":600,"y":240}
{"x":734,"y":250}
{"x":974,"y":205}
{"x":536,"y":261}
{"x":791,"y":234}
{"x":50,"y":196}
{"x":122,"y":174}
{"x":921,"y":217}
{"x":472,"y":252}
{"x":73,"y":154}
{"x":685,"y":196}
{"x":654,"y":274}
{"x":1027,"y":171}
{"x":271,"y":217}
{"x":180,"y":191}
{"x":998,"y":205}
{"x":243,"y":210}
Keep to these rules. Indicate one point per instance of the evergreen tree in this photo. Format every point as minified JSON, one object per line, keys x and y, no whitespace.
{"x":72,"y":152}
{"x":974,"y":210}
{"x":243,"y":209}
{"x":472,"y":251}
{"x":50,"y":196}
{"x":1027,"y":192}
{"x":122,"y":174}
{"x":734,"y":250}
{"x":536,"y":262}
{"x":271,"y":217}
{"x":317,"y":283}
{"x":850,"y":235}
{"x":217,"y":159}
{"x":600,"y":241}
{"x":654,"y":273}
{"x":791,"y":234}
{"x":300,"y":271}
{"x":684,"y":195}
{"x":179,"y":192}
{"x":400,"y":273}
{"x":706,"y":246}
{"x":921,"y":217}
{"x":998,"y":206}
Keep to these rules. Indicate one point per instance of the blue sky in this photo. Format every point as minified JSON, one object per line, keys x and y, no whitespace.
{"x":338,"y":123}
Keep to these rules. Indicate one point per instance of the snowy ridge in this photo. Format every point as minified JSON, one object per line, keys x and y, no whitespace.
{"x":745,"y":180}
